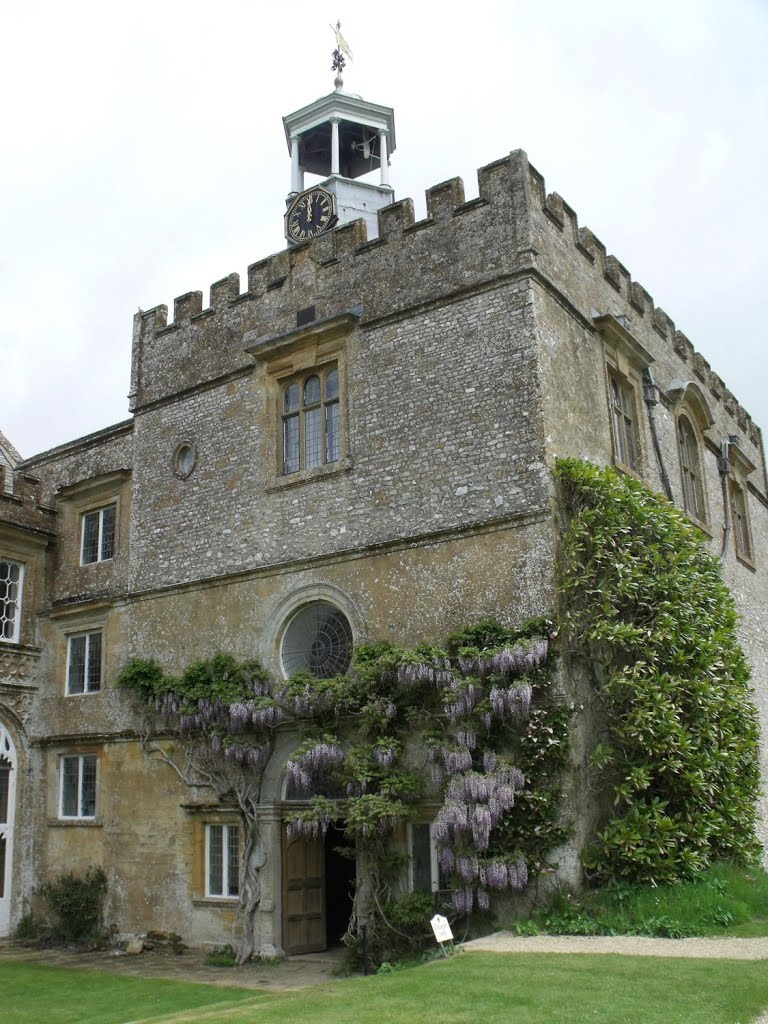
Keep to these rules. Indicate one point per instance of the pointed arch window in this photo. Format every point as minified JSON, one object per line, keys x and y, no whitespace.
{"x":690,"y":469}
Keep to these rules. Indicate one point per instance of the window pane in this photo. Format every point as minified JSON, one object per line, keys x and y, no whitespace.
{"x":233,"y":861}
{"x":421,"y":858}
{"x":94,"y":662}
{"x":108,"y":532}
{"x":311,"y":391}
{"x":5,"y":786}
{"x":215,"y":860}
{"x":88,"y":787}
{"x":333,"y":447}
{"x":332,"y":386}
{"x":313,"y":439}
{"x":69,"y":779}
{"x":291,"y":398}
{"x":90,"y":537}
{"x":76,"y":678}
{"x":291,"y":444}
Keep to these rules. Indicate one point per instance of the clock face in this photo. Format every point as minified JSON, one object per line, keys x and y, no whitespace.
{"x":309,"y":214}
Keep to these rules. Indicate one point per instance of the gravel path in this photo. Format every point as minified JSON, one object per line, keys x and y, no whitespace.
{"x":626,"y":945}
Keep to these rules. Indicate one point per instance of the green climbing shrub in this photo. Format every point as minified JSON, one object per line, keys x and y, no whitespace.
{"x":643,"y":603}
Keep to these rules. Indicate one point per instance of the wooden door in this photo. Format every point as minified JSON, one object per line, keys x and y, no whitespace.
{"x":303,"y":895}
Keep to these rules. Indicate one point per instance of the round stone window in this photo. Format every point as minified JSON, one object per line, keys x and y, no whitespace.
{"x":318,"y":639}
{"x":184,"y":460}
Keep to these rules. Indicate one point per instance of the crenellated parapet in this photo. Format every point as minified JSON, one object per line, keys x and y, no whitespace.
{"x":561,"y":219}
{"x":459,"y":244}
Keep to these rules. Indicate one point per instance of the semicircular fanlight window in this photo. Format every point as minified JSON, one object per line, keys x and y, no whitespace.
{"x":318,"y":640}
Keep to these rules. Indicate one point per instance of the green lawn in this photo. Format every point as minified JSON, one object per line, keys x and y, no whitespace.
{"x":473,"y":988}
{"x":33,"y":994}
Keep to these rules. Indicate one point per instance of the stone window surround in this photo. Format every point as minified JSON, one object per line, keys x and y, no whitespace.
{"x":691,"y":472}
{"x":80,"y":757}
{"x":106,"y":546}
{"x":624,"y":360}
{"x":689,"y":404}
{"x":740,"y":468}
{"x":434,"y":869}
{"x":204,"y":815}
{"x":85,"y":632}
{"x":93,"y":494}
{"x":279,"y":617}
{"x":298,"y":413}
{"x":16,"y":602}
{"x":224,"y":838}
{"x":318,"y":345}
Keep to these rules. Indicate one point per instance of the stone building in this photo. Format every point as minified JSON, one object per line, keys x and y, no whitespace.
{"x":354,"y":443}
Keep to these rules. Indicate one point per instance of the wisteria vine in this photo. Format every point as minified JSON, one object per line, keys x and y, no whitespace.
{"x":470,"y":711}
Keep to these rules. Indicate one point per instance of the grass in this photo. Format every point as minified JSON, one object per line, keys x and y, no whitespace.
{"x":32,"y":993}
{"x":725,"y":900}
{"x":473,"y":988}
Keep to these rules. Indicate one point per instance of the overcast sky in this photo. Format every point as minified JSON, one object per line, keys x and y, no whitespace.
{"x":142,"y":156}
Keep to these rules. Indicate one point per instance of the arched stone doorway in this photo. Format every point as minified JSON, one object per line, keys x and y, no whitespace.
{"x":8,"y":765}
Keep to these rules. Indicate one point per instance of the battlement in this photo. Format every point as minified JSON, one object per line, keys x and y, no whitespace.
{"x":511,"y":191}
{"x":564,"y":221}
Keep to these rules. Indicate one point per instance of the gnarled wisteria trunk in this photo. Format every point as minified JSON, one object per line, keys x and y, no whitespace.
{"x":254,"y":860}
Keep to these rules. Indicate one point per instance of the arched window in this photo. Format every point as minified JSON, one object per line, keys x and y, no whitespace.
{"x":690,"y":468}
{"x":311,"y":417}
{"x":318,"y":639}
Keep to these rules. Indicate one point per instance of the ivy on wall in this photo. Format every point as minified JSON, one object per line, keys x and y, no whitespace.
{"x":644,"y":605}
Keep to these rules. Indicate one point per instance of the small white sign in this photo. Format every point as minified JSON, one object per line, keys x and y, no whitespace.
{"x":441,"y":928}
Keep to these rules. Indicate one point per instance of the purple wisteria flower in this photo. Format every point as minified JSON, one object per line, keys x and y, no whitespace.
{"x":438,"y":675}
{"x":384,"y":756}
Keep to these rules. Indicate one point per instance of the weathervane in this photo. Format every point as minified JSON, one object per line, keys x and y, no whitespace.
{"x":342,"y":48}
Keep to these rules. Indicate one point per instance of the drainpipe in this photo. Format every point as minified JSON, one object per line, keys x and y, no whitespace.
{"x":651,"y":396}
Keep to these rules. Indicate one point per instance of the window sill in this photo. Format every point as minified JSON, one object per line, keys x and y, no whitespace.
{"x":224,"y":902}
{"x":306,"y":475}
{"x":76,"y":822}
{"x":746,"y":561}
{"x":699,"y":524}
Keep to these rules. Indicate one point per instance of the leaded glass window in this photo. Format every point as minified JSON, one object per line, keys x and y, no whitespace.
{"x":693,"y":492}
{"x":84,"y":663}
{"x":11,"y":576}
{"x":222,"y":849}
{"x":98,"y":543}
{"x":78,"y":786}
{"x":311,"y":421}
{"x":740,"y":520}
{"x":318,"y":639}
{"x":624,"y":437}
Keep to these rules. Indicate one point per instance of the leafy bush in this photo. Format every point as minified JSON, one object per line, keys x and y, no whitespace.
{"x":29,"y":929}
{"x":724,"y":899}
{"x":76,"y":902}
{"x":221,"y":956}
{"x":645,"y":606}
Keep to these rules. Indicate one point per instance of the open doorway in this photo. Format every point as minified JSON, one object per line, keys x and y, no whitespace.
{"x":318,"y":890}
{"x":340,"y":880}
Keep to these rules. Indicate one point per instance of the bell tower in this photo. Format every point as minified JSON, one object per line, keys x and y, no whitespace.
{"x":340,"y":137}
